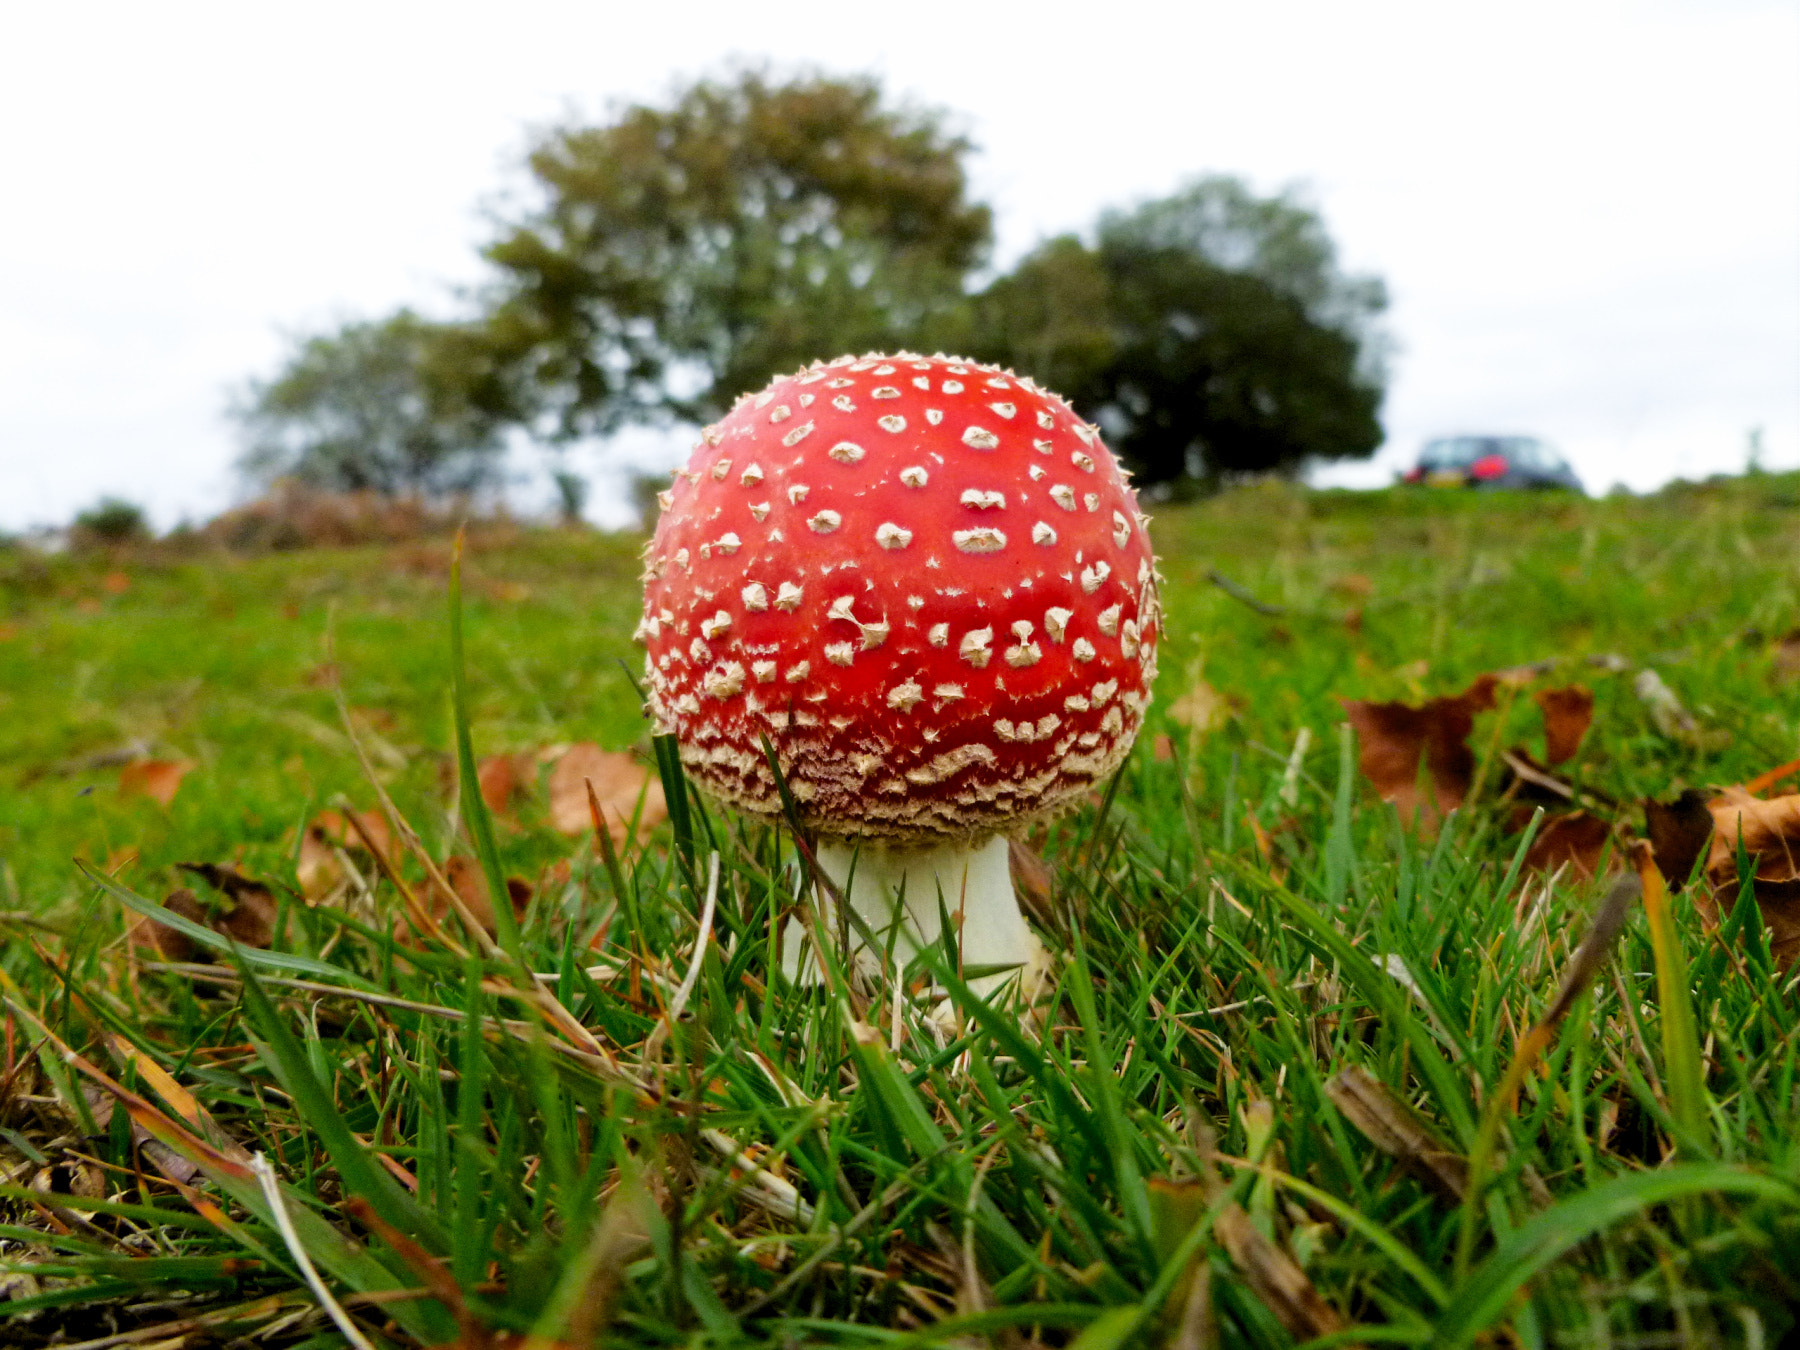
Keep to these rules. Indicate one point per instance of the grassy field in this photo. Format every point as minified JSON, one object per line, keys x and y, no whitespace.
{"x":1166,"y":1158}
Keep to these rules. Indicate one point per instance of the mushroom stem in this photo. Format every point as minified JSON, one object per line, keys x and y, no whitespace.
{"x":889,"y":886}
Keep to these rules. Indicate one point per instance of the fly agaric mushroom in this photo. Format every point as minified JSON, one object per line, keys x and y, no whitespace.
{"x":927,"y":583}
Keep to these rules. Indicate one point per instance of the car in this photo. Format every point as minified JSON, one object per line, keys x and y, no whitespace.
{"x":1492,"y":462}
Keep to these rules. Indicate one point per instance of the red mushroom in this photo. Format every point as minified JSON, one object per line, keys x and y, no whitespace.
{"x":927,"y":583}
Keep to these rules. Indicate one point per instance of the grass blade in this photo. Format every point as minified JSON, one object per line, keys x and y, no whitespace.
{"x":1483,"y":1298}
{"x":1684,"y":1078}
{"x":290,"y":1063}
{"x":474,"y":809}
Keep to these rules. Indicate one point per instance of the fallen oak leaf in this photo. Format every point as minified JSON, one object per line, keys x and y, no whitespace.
{"x":470,"y":883}
{"x":1679,"y":831}
{"x":168,"y":942}
{"x":1567,"y":714}
{"x":251,"y":918}
{"x":318,"y":869}
{"x":1392,"y":739}
{"x":1769,"y":834}
{"x":502,"y":779}
{"x":1577,"y":839}
{"x":157,"y":779}
{"x":1761,"y":827}
{"x":618,"y":782}
{"x":367,"y":829}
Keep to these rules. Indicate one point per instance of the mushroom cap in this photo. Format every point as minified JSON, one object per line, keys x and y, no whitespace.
{"x":927,"y":583}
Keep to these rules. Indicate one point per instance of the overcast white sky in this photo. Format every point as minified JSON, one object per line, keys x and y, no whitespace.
{"x":1588,"y":213}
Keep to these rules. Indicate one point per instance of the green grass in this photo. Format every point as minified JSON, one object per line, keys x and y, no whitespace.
{"x":568,"y":1155}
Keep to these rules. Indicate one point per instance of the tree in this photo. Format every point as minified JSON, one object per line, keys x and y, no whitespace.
{"x":110,"y":521}
{"x":1211,"y":334}
{"x":1052,"y":318}
{"x":400,"y":406}
{"x":684,"y":254}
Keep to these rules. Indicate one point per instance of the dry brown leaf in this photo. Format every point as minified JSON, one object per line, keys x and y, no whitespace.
{"x":1678,"y":833}
{"x":337,"y":828}
{"x":115,"y":583}
{"x":470,"y":883}
{"x":1567,"y":714}
{"x":251,"y":918}
{"x":1764,"y":827}
{"x":1576,"y":838}
{"x":1392,"y":738}
{"x":1354,"y":583}
{"x":1770,"y":832}
{"x":502,"y":778}
{"x":318,"y":869}
{"x":151,"y":935}
{"x":157,"y":779}
{"x":1162,"y":748}
{"x":618,"y":780}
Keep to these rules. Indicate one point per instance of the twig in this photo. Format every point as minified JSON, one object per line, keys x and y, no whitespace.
{"x":1237,"y":592}
{"x":779,"y":1196}
{"x":271,"y":1189}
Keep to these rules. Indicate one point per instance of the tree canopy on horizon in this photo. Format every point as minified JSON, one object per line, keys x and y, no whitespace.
{"x":680,"y":254}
